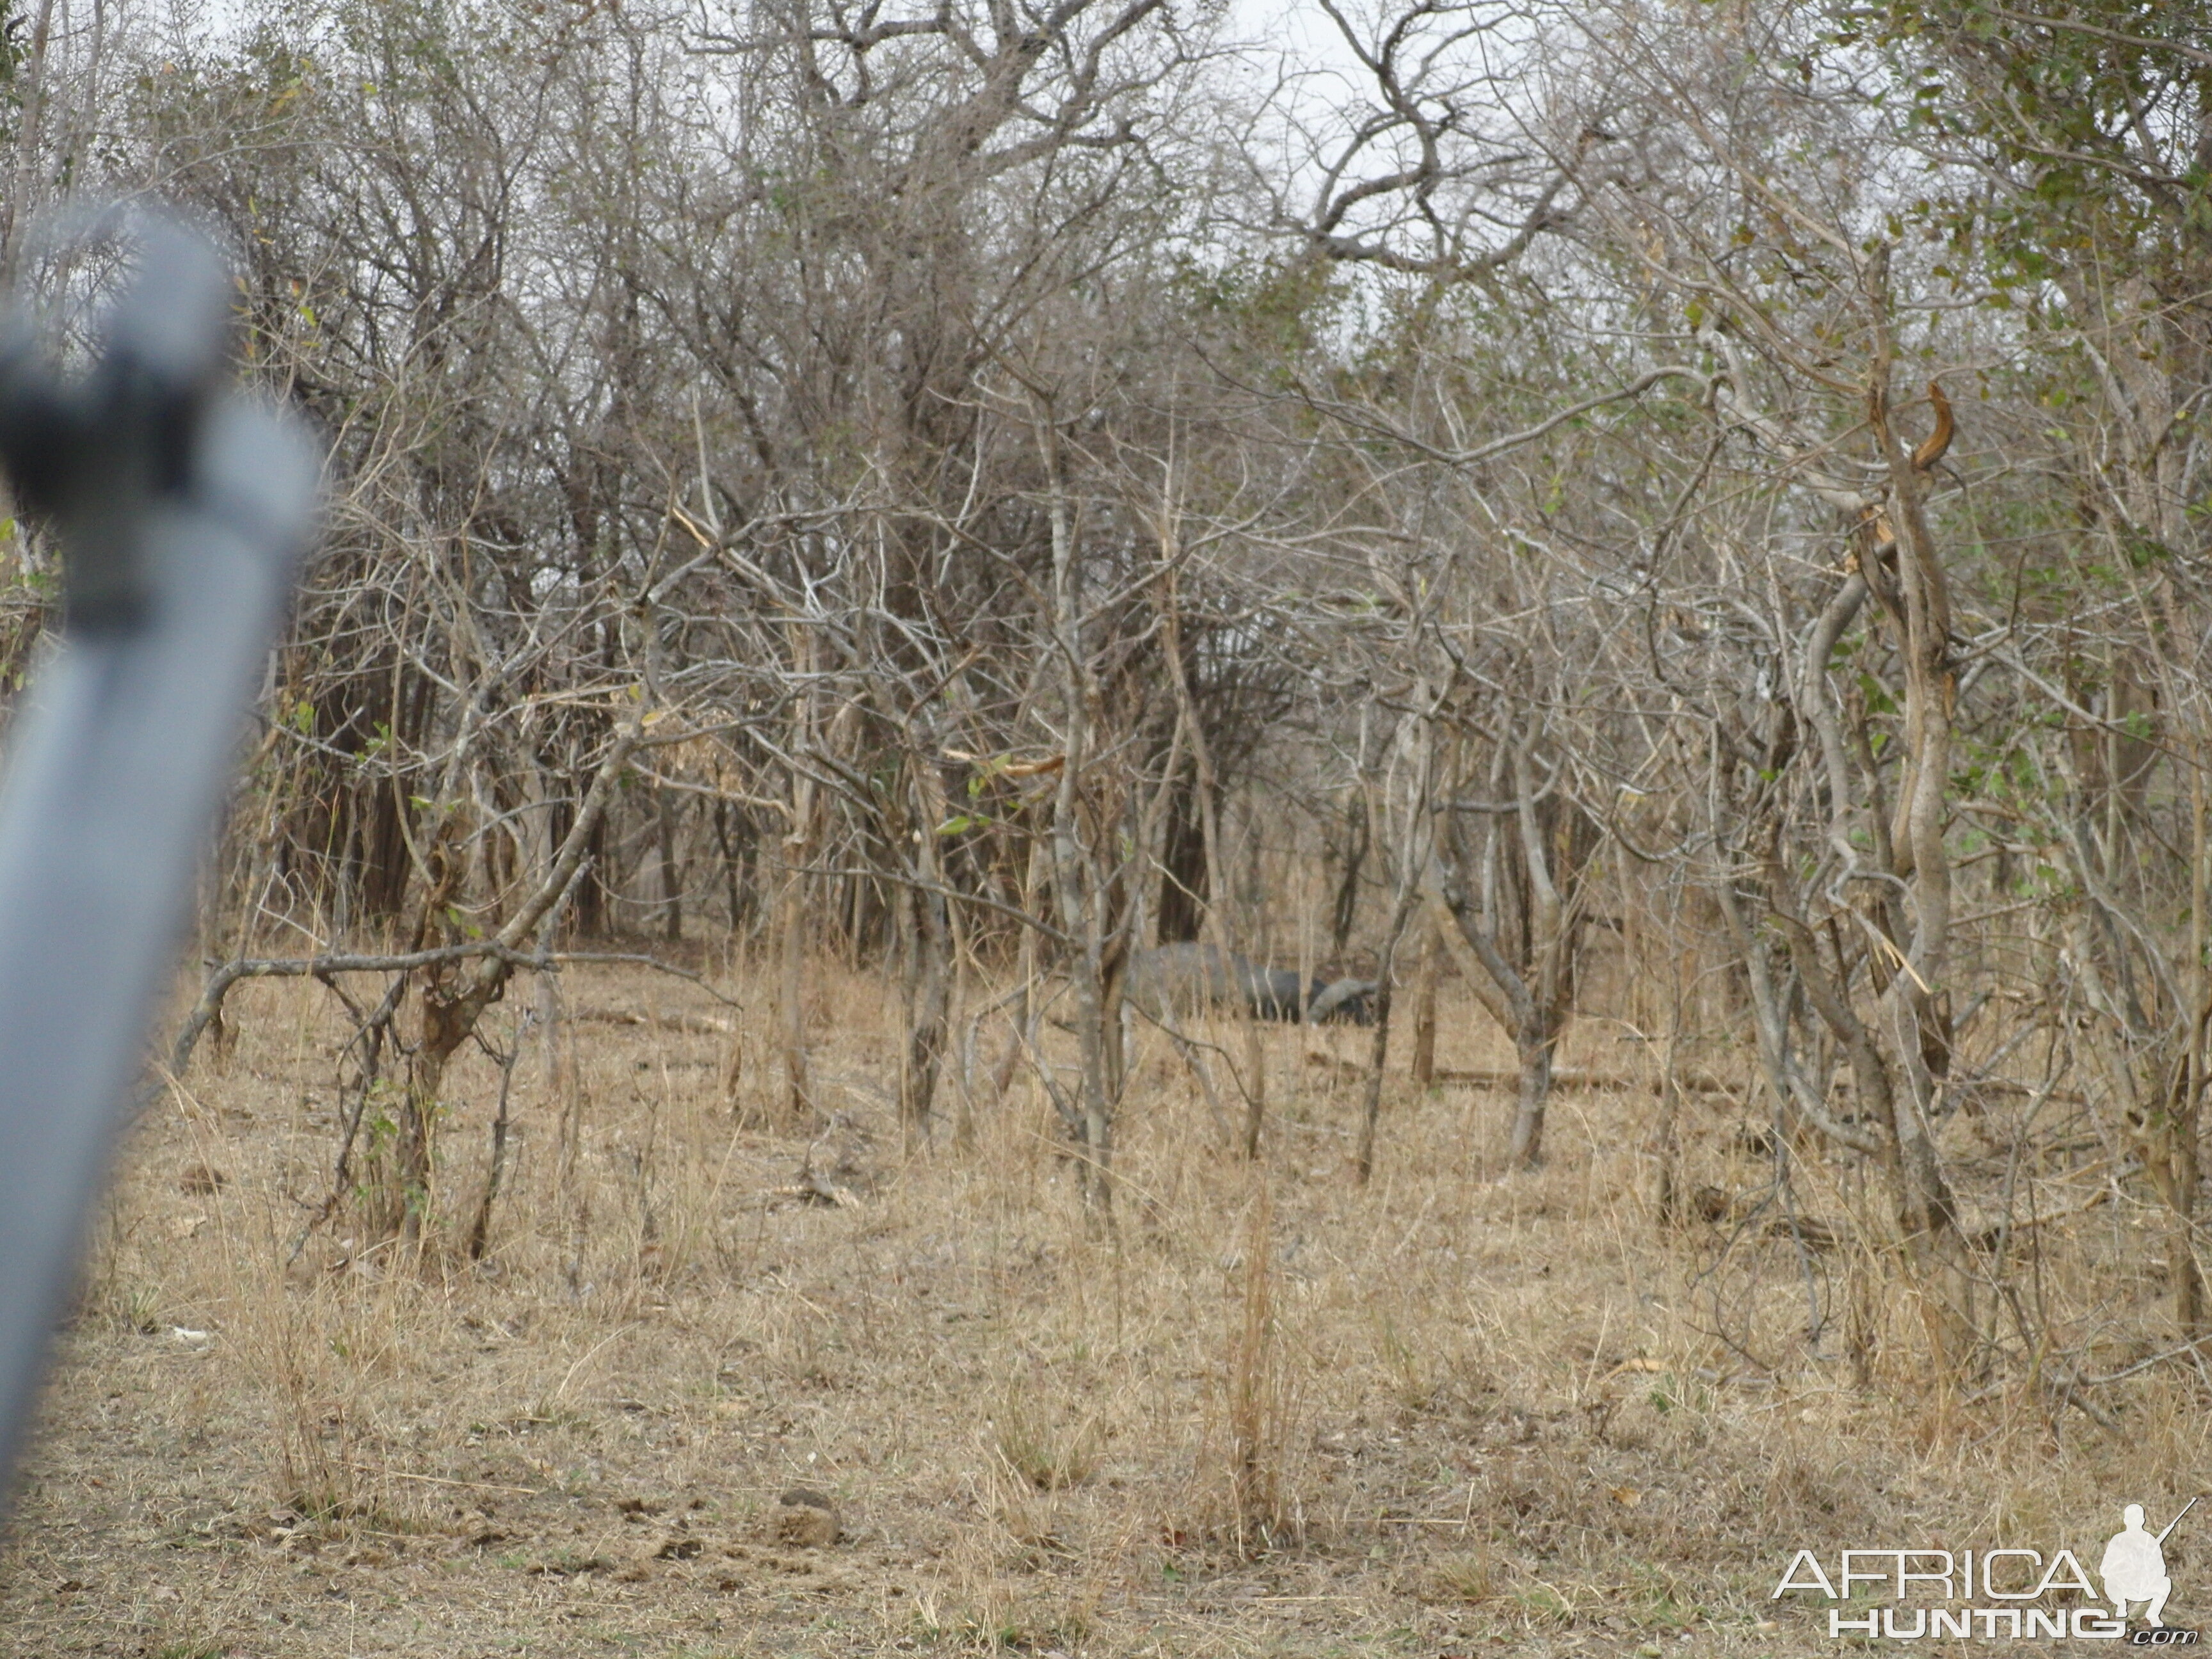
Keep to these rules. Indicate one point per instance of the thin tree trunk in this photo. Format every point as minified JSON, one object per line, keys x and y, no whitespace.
{"x":1412,"y":859}
{"x":1357,"y":834}
{"x":791,"y":985}
{"x":1219,"y":919}
{"x":1533,"y":1094}
{"x":496,"y":1169}
{"x":451,"y":1009}
{"x":1077,"y":883}
{"x":1424,"y":1012}
{"x":32,"y":72}
{"x":672,"y":877}
{"x":1929,"y":1211}
{"x":792,"y":930}
{"x":924,"y":981}
{"x":1670,"y":1197}
{"x":1379,"y":1048}
{"x":2182,"y":1151}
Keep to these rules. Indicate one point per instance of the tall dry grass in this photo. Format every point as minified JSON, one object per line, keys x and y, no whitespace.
{"x":1268,"y":1411}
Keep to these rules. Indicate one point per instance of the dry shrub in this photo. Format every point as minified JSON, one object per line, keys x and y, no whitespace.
{"x":1249,"y":1455}
{"x":1469,"y":1576}
{"x":317,"y":1354}
{"x":1043,"y":1440}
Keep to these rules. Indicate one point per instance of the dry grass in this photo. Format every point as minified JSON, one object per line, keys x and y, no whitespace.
{"x":1269,"y":1413}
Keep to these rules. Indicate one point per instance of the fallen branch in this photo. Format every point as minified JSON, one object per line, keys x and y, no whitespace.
{"x":1989,"y":1234}
{"x":1696,"y":1084}
{"x":209,"y":1007}
{"x":1721,"y":1207}
{"x":695,"y":1024}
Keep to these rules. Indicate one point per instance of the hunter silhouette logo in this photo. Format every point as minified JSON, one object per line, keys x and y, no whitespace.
{"x":2133,"y":1567}
{"x":2002,"y":1594}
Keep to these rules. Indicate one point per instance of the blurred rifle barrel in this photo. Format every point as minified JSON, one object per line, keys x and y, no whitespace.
{"x":182,"y":508}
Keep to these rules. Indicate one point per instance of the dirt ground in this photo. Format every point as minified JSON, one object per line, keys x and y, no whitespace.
{"x":1269,"y":1412}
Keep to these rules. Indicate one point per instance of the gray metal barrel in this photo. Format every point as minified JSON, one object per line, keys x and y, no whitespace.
{"x":182,"y":509}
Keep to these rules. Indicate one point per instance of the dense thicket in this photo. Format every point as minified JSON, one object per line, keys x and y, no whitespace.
{"x":987,"y":486}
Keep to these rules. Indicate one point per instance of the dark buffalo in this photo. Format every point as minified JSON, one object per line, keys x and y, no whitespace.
{"x":1184,"y":976}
